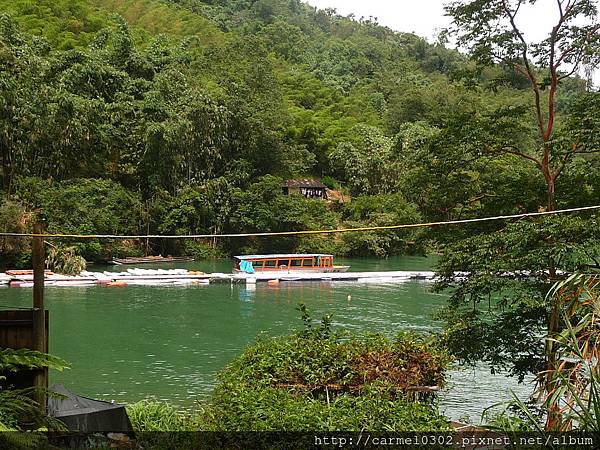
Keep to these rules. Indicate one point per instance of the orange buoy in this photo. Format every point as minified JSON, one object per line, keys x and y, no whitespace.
{"x":116,"y":284}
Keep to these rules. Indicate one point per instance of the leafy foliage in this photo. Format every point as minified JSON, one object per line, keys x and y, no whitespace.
{"x":185,"y":110}
{"x":379,"y":211}
{"x":185,"y":116}
{"x":329,"y":380}
{"x":13,"y":360}
{"x":513,"y":266}
{"x":14,"y":218}
{"x":65,"y":261}
{"x":154,"y":416}
{"x":498,"y":313}
{"x":17,"y":405}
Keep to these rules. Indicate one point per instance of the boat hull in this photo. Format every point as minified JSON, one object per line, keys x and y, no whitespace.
{"x":291,"y":271}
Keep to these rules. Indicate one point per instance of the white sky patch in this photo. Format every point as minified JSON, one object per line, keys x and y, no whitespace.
{"x":427,"y":18}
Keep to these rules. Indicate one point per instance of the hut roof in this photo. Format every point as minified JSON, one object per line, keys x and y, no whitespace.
{"x":304,"y":183}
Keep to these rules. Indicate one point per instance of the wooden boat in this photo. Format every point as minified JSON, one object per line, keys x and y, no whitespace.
{"x":287,"y":263}
{"x":26,"y":272}
{"x":150,"y":260}
{"x":24,"y":278}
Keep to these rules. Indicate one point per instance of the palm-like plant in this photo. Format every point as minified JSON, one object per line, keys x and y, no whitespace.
{"x":17,"y":405}
{"x":574,"y":394}
{"x":575,"y":381}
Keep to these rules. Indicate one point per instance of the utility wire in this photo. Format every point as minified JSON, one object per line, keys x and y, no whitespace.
{"x":306,"y":232}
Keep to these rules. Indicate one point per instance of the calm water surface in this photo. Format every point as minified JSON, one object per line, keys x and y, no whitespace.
{"x":169,"y":343}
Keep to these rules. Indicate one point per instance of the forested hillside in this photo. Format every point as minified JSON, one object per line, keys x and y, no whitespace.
{"x":179,"y":117}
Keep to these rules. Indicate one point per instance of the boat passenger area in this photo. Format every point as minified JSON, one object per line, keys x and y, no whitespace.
{"x":301,"y":263}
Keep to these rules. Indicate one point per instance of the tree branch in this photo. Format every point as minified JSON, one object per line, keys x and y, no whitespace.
{"x":560,"y":7}
{"x":565,"y":160}
{"x":522,"y":155}
{"x":530,"y":73}
{"x":570,"y":74}
{"x":593,"y":31}
{"x":554,"y":68}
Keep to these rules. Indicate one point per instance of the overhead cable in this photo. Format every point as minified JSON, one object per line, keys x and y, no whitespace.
{"x":306,"y":232}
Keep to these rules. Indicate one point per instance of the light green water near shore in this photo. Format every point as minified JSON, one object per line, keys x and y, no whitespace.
{"x":169,"y":343}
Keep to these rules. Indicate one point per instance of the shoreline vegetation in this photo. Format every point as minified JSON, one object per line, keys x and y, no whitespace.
{"x":315,"y":379}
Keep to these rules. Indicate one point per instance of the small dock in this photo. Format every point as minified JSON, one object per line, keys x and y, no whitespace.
{"x":366,"y":277}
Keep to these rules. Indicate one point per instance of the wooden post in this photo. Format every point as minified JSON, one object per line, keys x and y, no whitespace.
{"x":39,"y":322}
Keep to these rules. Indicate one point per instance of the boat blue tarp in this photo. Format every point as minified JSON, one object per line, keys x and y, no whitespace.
{"x":246,"y":266}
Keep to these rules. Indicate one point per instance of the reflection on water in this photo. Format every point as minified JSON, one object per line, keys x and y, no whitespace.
{"x":170,"y":342}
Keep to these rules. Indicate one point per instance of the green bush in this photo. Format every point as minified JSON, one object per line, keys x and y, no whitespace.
{"x":65,"y":260}
{"x":377,"y":408}
{"x":202,"y":250}
{"x":17,"y":405}
{"x":330,"y":183}
{"x":319,"y":379}
{"x":380,"y":211}
{"x":155,"y":416}
{"x":160,"y":426}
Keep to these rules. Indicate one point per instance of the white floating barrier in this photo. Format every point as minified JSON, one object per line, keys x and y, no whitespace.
{"x":387,"y":277}
{"x":180,"y":277}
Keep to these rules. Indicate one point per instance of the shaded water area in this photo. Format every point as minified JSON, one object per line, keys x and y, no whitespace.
{"x":169,"y":343}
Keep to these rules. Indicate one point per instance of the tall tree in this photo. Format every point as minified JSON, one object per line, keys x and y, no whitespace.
{"x":491,"y":30}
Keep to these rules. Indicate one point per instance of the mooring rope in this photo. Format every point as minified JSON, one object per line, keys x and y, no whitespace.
{"x":300,"y":233}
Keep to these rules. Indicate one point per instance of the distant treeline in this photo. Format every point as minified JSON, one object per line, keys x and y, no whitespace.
{"x":185,"y":117}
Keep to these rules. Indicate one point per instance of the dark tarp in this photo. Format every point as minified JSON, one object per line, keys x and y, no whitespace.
{"x":87,"y":415}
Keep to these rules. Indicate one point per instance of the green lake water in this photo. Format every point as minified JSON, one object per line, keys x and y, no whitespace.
{"x":169,"y":343}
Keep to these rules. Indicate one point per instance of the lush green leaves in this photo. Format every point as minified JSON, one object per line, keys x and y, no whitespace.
{"x":17,"y":405}
{"x":498,"y":311}
{"x":320,"y":379}
{"x":14,"y":360}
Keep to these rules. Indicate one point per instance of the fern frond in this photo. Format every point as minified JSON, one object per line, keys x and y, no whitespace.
{"x":19,"y":359}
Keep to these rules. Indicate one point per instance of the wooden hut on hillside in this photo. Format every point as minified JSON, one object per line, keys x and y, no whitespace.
{"x":309,"y":188}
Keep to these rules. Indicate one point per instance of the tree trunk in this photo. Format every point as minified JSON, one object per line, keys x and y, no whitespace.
{"x":550,"y":179}
{"x":551,"y":193}
{"x":554,"y":418}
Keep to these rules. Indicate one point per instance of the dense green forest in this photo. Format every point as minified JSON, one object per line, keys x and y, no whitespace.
{"x":185,"y":117}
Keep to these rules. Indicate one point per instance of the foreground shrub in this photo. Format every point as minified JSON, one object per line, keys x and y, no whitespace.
{"x":160,"y":426}
{"x":573,"y":404}
{"x":155,"y":416}
{"x":18,"y":409}
{"x":377,"y":408}
{"x":318,"y":379}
